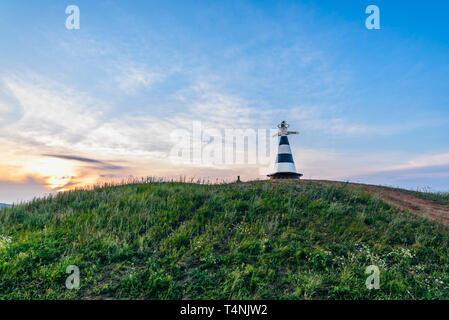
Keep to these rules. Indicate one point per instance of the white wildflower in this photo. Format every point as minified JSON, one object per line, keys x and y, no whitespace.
{"x":4,"y":241}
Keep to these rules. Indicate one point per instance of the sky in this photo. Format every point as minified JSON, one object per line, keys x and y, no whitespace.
{"x":100,"y":103}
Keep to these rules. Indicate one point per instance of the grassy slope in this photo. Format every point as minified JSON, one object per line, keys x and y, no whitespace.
{"x":281,"y":240}
{"x":438,"y":197}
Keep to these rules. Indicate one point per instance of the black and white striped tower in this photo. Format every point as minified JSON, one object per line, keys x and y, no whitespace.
{"x":285,"y":166}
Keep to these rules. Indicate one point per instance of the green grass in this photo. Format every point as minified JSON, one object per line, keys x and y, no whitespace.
{"x":261,"y":240}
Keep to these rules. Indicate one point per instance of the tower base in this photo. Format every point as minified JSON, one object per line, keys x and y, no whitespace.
{"x":285,"y":175}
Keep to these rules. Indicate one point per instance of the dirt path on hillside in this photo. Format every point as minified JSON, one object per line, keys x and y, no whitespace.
{"x":424,"y":208}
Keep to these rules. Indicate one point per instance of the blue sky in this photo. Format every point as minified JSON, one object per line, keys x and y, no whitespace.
{"x":77,"y":106}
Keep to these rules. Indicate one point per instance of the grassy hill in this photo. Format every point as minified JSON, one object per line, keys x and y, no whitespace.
{"x":258,"y":240}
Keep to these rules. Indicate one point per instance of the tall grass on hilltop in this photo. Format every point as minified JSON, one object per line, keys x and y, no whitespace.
{"x":439,"y":197}
{"x":260,"y":240}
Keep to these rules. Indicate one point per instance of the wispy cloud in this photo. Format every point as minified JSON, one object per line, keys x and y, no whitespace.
{"x":424,"y":161}
{"x":329,"y":120}
{"x":100,"y":165}
{"x":51,"y":114}
{"x":416,"y":173}
{"x":131,"y":79}
{"x":218,"y":109}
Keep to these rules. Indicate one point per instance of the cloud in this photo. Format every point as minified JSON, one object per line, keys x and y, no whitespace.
{"x":218,"y":109}
{"x":56,"y":117}
{"x":100,"y":165}
{"x":52,"y":115}
{"x":435,"y":160}
{"x":76,"y":158}
{"x":418,"y":173}
{"x":327,"y":120}
{"x":132,"y":79}
{"x":10,"y":108}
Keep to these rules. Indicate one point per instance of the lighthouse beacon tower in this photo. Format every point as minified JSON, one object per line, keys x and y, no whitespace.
{"x":285,"y":166}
